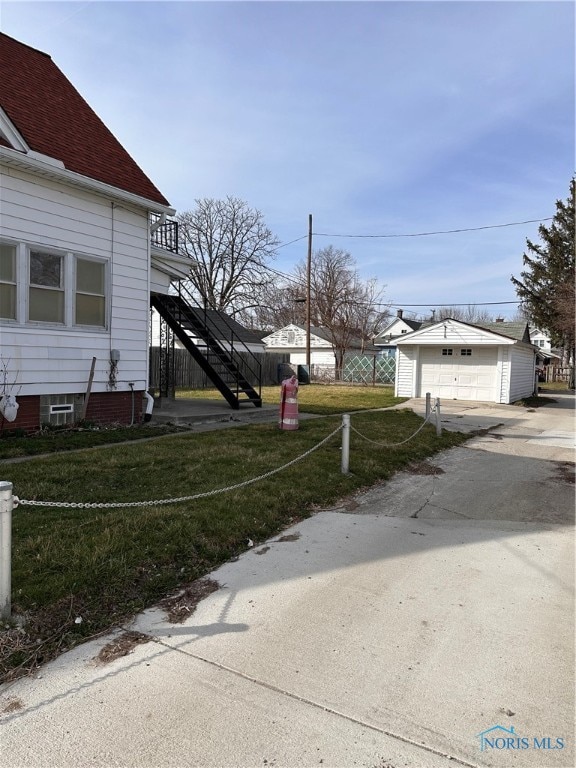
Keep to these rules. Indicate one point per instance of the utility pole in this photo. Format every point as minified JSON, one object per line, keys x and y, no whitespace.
{"x":308,"y":299}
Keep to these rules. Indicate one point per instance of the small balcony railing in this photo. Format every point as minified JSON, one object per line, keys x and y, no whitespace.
{"x":165,"y":235}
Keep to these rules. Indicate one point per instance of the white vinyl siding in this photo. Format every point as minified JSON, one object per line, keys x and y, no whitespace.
{"x":406,"y":358}
{"x":504,"y":374}
{"x":41,"y":215}
{"x":522,"y":373}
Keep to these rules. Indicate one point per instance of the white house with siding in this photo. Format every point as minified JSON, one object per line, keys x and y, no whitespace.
{"x":454,"y":360}
{"x":76,"y":261}
{"x":291,"y":340}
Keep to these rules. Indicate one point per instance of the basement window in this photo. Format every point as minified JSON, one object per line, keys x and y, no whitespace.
{"x":466,"y":352}
{"x":447,"y":352}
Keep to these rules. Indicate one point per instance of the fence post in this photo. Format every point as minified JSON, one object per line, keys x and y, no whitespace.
{"x":427,"y":405}
{"x":345,"y":443}
{"x":6,"y":505}
{"x":438,"y":424}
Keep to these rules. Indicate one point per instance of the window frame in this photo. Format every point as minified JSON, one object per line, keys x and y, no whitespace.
{"x":61,"y":288}
{"x":75,"y":292}
{"x":68,"y":274}
{"x":447,"y":352}
{"x":14,"y":282}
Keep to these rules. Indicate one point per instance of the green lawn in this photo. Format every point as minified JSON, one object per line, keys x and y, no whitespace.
{"x":322,"y":399}
{"x":103,"y":565}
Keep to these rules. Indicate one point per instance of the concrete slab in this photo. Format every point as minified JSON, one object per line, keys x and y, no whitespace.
{"x":390,"y":631}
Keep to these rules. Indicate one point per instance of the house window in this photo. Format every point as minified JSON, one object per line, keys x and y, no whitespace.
{"x":466,"y":352}
{"x":46,"y":291}
{"x":90,"y":296}
{"x":8,"y":282}
{"x":447,"y":352}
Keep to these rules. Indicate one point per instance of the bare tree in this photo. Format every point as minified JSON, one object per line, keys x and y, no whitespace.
{"x":470,"y":314}
{"x":231,"y":247}
{"x":281,"y":303}
{"x":348,"y":307}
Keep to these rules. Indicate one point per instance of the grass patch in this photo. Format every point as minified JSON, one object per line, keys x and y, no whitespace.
{"x":16,"y":445}
{"x":323,"y":399}
{"x":79,"y":572}
{"x":554,"y":386}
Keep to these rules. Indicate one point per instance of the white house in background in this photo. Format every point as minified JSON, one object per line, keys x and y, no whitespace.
{"x":454,"y":360}
{"x":77,"y":264}
{"x":396,"y":329}
{"x":541,"y":339}
{"x":291,"y":340}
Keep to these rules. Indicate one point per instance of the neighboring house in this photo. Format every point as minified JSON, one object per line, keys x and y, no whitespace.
{"x":77,"y":255}
{"x":459,"y":361}
{"x":541,"y":340}
{"x":400,"y":326}
{"x":291,"y":340}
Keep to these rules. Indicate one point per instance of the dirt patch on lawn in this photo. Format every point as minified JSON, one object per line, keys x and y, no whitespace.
{"x":565,"y":472}
{"x":121,"y":646}
{"x":423,"y":468}
{"x":183,"y":605}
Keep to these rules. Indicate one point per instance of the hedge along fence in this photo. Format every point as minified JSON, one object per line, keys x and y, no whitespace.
{"x":188,"y":374}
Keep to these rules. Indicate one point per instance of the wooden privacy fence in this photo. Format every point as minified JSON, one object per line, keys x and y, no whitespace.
{"x":188,"y":374}
{"x":558,"y":373}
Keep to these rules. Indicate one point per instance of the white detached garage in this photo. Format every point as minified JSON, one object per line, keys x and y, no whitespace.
{"x":454,"y":360}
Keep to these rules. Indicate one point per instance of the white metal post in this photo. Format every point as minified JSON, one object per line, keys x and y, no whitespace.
{"x":438,"y":424}
{"x":6,"y":505}
{"x":345,"y":443}
{"x":428,"y":405}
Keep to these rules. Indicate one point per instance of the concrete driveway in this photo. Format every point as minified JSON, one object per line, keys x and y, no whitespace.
{"x":428,"y":622}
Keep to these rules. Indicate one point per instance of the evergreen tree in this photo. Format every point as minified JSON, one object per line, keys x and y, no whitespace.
{"x":546,"y":285}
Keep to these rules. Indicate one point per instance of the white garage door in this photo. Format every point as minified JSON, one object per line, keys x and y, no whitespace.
{"x":461,"y":373}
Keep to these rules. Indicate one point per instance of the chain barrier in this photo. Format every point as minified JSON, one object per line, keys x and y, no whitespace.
{"x":160,"y":502}
{"x":393,"y":445}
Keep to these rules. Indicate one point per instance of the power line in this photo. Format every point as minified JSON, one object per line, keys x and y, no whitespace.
{"x":283,"y":245}
{"x":440,"y":232}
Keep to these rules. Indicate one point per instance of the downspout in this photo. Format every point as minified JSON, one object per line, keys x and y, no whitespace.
{"x":149,"y":406}
{"x":158,"y":224}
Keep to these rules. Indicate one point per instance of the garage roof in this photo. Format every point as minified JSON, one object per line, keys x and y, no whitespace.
{"x":511,"y":331}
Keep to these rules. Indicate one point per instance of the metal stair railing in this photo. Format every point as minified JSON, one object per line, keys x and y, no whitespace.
{"x":248,"y":369}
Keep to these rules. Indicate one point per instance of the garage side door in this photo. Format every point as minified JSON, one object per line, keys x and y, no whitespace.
{"x":460,"y":373}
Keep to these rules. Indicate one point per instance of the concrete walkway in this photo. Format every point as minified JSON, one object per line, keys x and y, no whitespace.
{"x":392,"y":630}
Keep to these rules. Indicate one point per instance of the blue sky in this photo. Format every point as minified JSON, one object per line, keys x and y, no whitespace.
{"x":375,"y":117}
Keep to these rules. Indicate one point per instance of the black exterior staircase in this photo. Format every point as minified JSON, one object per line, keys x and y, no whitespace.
{"x":215,"y":345}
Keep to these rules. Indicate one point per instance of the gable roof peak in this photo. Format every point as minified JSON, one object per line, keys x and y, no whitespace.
{"x":53,"y":120}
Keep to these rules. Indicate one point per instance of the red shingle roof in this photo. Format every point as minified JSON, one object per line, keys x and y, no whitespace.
{"x":54,"y":119}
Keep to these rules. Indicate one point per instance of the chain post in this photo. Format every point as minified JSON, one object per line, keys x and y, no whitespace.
{"x":6,"y":506}
{"x":438,"y":424}
{"x":428,"y":396}
{"x":345,"y":443}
